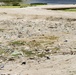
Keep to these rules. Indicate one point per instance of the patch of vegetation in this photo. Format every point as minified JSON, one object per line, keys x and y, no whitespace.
{"x":52,"y":37}
{"x":41,"y":55}
{"x":37,"y":42}
{"x":18,"y":43}
{"x":2,"y":51}
{"x":20,"y":5}
{"x":49,"y":37}
{"x":55,"y":49}
{"x":28,"y":53}
{"x":40,"y":43}
{"x":33,"y":53}
{"x":66,"y":9}
{"x":32,"y":4}
{"x":48,"y":43}
{"x":16,"y":53}
{"x":34,"y":43}
{"x":1,"y":29}
{"x":35,"y":4}
{"x":9,"y":6}
{"x":15,"y":4}
{"x":24,"y":5}
{"x":72,"y":10}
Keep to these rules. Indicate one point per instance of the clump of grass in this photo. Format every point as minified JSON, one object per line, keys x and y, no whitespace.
{"x":41,"y":55}
{"x":1,"y":29}
{"x":48,"y":43}
{"x":24,"y":5}
{"x":49,"y":37}
{"x":42,"y":40}
{"x":39,"y":43}
{"x":33,"y":53}
{"x":72,"y":10}
{"x":55,"y":49}
{"x":2,"y":51}
{"x":0,"y":42}
{"x":67,"y":9}
{"x":52,"y":37}
{"x":28,"y":53}
{"x":18,"y":43}
{"x":34,"y":43}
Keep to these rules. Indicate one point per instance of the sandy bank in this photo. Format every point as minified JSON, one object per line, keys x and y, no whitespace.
{"x":35,"y":41}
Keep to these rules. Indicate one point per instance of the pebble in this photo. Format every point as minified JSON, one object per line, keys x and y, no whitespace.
{"x":23,"y":63}
{"x":66,"y":41}
{"x":48,"y":57}
{"x":1,"y":66}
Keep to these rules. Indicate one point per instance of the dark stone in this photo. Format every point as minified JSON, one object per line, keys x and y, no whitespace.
{"x":48,"y":57}
{"x":8,"y":74}
{"x":32,"y":58}
{"x":23,"y":63}
{"x":39,"y":29}
{"x":47,"y":50}
{"x":11,"y":59}
{"x":1,"y":66}
{"x":66,"y":41}
{"x":71,"y":52}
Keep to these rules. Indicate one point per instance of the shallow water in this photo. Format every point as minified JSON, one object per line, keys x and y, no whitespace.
{"x":51,"y":1}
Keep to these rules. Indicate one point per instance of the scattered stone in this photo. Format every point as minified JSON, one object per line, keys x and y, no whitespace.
{"x":10,"y":70}
{"x":4,"y":13}
{"x":71,"y":52}
{"x":1,"y":66}
{"x":66,"y":41}
{"x":31,"y":58}
{"x":48,"y":57}
{"x":23,"y":63}
{"x":8,"y":74}
{"x":47,"y":50}
{"x":11,"y":59}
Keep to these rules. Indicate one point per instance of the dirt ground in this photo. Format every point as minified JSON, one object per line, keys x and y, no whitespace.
{"x":35,"y":41}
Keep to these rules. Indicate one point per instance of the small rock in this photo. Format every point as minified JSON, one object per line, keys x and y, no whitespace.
{"x":48,"y":57}
{"x":1,"y":66}
{"x":4,"y":13}
{"x":71,"y":52}
{"x":8,"y":74}
{"x":10,"y":70}
{"x":31,"y":58}
{"x":47,"y":50}
{"x":66,"y":41}
{"x":23,"y":63}
{"x":11,"y":59}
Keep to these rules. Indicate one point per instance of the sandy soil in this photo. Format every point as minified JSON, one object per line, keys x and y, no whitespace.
{"x":50,"y":35}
